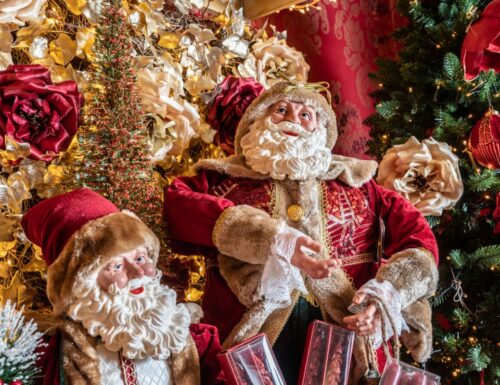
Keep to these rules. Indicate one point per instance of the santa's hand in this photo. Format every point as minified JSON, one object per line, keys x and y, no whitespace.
{"x":315,"y":268}
{"x":366,"y":322}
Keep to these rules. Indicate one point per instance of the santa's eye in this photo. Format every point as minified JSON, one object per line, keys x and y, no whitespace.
{"x":140,"y":258}
{"x":116,"y":267}
{"x":281,"y":110}
{"x":306,"y":115}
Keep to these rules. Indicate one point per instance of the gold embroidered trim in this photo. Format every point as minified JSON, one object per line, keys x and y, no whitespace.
{"x":275,"y":200}
{"x":358,"y":258}
{"x":324,"y":231}
{"x":219,"y":224}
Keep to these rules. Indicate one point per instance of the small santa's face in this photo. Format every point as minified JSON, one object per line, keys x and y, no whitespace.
{"x":125,"y":267}
{"x":297,"y":113}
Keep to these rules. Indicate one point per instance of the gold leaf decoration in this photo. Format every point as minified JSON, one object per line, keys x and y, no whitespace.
{"x":63,"y":49}
{"x":169,"y":40}
{"x":75,"y":6}
{"x":85,"y":38}
{"x":7,"y":224}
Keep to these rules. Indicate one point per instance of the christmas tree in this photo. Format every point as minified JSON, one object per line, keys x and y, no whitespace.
{"x":423,"y":94}
{"x":117,"y":161}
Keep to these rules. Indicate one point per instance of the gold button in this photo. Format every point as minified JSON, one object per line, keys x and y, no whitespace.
{"x":295,"y":212}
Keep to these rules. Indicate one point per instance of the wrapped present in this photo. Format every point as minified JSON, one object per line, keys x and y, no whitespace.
{"x":252,"y":362}
{"x":327,"y":355}
{"x":399,"y":373}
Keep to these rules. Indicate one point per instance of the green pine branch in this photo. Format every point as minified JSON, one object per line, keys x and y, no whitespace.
{"x":477,"y":359}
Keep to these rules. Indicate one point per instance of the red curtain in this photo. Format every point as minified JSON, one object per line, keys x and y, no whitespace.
{"x":341,"y":41}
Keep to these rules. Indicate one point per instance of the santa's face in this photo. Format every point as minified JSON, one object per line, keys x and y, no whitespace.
{"x":124,"y":267}
{"x":288,"y":141}
{"x":297,"y":113}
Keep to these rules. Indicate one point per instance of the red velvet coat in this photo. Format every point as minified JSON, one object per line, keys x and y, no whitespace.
{"x":193,"y":205}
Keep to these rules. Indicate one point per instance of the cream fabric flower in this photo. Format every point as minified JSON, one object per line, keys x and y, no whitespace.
{"x":159,"y":89}
{"x":273,"y":59}
{"x":176,"y":120}
{"x":20,"y":11}
{"x":426,"y":173}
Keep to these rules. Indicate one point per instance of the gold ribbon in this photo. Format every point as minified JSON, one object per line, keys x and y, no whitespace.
{"x":317,"y":87}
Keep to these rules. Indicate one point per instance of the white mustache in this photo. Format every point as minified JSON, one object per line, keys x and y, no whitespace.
{"x":290,"y":127}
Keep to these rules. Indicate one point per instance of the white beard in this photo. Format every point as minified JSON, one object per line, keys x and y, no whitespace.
{"x":270,"y":152}
{"x":149,"y":324}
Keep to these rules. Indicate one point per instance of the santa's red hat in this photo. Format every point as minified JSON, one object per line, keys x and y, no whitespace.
{"x":79,"y":232}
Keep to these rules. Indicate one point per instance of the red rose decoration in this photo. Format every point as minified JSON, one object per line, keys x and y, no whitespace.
{"x":481,"y":46}
{"x":233,"y":96}
{"x":34,"y":110}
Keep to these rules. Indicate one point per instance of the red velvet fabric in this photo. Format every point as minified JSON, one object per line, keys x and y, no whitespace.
{"x":207,"y":342}
{"x":52,"y":222}
{"x":205,"y":337}
{"x":197,"y":220}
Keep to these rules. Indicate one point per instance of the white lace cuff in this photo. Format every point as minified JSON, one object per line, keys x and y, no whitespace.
{"x":279,"y":277}
{"x":385,"y":292}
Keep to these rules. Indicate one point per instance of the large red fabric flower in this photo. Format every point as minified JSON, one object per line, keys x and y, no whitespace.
{"x":233,"y":96}
{"x":481,"y":46}
{"x":33,"y":110}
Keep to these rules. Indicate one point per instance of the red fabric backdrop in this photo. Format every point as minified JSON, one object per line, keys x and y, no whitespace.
{"x":341,"y":41}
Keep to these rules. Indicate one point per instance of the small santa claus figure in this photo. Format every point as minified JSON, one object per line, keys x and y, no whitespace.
{"x":117,"y":324}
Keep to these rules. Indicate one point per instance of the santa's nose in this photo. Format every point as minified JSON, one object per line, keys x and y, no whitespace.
{"x":133,"y":270}
{"x":292,"y":116}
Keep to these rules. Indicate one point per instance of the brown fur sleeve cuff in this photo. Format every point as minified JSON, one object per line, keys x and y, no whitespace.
{"x":245,"y":233}
{"x":413,"y":273}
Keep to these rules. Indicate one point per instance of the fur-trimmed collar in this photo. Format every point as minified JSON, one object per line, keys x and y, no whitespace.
{"x":351,"y":171}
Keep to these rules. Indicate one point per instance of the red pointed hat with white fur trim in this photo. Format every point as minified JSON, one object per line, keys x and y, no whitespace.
{"x":79,"y":232}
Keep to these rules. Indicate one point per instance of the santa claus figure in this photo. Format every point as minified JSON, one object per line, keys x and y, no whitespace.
{"x":291,"y":233}
{"x":117,"y":324}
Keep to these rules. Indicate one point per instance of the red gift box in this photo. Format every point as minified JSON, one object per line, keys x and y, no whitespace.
{"x":327,"y":355}
{"x":252,"y":362}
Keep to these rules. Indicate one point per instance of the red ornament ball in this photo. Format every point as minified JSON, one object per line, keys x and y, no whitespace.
{"x":484,"y":142}
{"x":16,"y":382}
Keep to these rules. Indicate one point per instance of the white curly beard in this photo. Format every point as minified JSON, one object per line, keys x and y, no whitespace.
{"x":149,"y":324}
{"x":269,"y":151}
